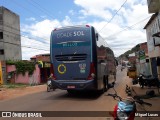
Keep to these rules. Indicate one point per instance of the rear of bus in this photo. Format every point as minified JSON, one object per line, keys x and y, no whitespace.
{"x":71,"y":58}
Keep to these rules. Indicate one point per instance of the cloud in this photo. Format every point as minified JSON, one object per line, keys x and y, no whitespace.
{"x":72,"y":12}
{"x":39,"y":36}
{"x":117,"y":33}
{"x":31,"y":19}
{"x":32,"y":47}
{"x":131,"y":13}
{"x":42,"y":28}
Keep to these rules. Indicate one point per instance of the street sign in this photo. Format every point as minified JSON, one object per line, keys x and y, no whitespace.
{"x":1,"y":78}
{"x":40,"y":64}
{"x":142,"y":56}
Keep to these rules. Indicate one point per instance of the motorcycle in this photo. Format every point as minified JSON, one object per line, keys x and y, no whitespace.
{"x":122,"y":67}
{"x":148,"y":81}
{"x":125,"y":109}
{"x":49,"y":85}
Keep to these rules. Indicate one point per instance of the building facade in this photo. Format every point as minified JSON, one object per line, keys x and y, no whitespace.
{"x":10,"y":42}
{"x":153,"y":36}
{"x":43,"y":61}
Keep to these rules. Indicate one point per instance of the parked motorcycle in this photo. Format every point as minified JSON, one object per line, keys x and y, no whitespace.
{"x":135,"y":81}
{"x":148,"y":81}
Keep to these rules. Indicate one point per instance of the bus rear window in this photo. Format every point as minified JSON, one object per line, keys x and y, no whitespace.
{"x":71,"y":57}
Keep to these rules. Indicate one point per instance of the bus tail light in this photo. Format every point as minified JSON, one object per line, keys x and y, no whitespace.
{"x":87,"y":26}
{"x":52,"y":72}
{"x":92,"y":72}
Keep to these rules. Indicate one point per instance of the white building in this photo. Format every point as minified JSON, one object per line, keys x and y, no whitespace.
{"x":153,"y":36}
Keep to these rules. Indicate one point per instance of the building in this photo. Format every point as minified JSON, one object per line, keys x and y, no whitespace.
{"x":41,"y":57}
{"x":153,"y":6}
{"x":10,"y":42}
{"x":142,"y":61}
{"x":44,"y":65}
{"x":153,"y":36}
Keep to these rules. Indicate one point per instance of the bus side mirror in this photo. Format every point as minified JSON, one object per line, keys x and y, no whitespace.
{"x":97,"y":36}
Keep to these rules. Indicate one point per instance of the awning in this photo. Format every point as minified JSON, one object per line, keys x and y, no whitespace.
{"x":156,"y":34}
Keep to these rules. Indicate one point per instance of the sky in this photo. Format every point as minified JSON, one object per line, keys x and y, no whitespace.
{"x":122,"y":30}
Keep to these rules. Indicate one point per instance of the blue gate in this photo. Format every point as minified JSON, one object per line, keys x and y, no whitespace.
{"x":154,"y":67}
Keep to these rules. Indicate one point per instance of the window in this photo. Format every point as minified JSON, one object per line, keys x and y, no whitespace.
{"x":1,"y":20}
{"x":1,"y":17}
{"x":1,"y":35}
{"x":1,"y":52}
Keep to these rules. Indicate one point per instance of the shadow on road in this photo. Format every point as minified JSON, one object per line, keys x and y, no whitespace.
{"x":78,"y":95}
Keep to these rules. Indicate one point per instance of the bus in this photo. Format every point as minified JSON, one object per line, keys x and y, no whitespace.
{"x":80,"y":59}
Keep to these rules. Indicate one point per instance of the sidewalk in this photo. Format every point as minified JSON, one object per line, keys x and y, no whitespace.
{"x":9,"y":93}
{"x":155,"y":101}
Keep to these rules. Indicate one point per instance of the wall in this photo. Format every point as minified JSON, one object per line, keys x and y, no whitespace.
{"x":151,"y":29}
{"x":143,"y":46}
{"x":26,"y":79}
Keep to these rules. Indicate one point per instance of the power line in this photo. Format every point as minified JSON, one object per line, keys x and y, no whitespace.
{"x":24,"y":46}
{"x":30,"y":10}
{"x":19,"y":44}
{"x":25,"y":8}
{"x":41,"y":8}
{"x":5,"y":25}
{"x":113,"y":16}
{"x":44,"y":10}
{"x":25,"y":36}
{"x":129,"y":27}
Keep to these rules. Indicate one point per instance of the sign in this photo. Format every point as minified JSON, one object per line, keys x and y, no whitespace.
{"x":61,"y":68}
{"x":1,"y":78}
{"x":142,"y":56}
{"x":70,"y":34}
{"x":47,"y":65}
{"x":40,"y":64}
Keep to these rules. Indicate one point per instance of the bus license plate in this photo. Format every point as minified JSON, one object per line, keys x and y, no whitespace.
{"x":71,"y":86}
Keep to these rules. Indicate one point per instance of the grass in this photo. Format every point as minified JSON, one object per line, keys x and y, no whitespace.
{"x":14,"y":85}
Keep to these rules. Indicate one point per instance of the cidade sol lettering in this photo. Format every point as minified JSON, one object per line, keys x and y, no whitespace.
{"x":70,"y":34}
{"x":78,"y":33}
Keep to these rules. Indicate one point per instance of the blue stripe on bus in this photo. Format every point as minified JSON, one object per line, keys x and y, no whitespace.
{"x":71,"y":44}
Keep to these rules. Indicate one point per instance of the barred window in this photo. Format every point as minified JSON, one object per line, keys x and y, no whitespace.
{"x":1,"y":17}
{"x":1,"y":52}
{"x":1,"y":35}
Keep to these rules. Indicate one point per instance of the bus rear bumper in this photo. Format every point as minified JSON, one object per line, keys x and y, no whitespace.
{"x":74,"y":84}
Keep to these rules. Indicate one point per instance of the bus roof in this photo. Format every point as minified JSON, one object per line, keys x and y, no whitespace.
{"x":76,"y":26}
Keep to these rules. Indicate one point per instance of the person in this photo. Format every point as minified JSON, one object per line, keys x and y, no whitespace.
{"x":121,"y":68}
{"x":49,"y":84}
